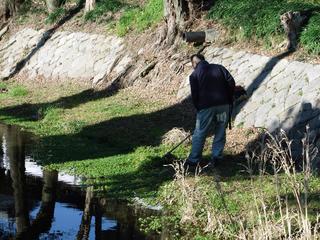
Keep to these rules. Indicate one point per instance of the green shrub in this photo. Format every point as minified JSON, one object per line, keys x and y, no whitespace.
{"x":127,"y":21}
{"x":152,"y":13}
{"x":310,"y":37}
{"x":133,"y":17}
{"x":250,"y":20}
{"x":3,"y":85}
{"x":18,"y":91}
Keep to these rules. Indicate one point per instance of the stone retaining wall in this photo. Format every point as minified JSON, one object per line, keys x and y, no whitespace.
{"x":14,"y":50}
{"x":64,"y":55}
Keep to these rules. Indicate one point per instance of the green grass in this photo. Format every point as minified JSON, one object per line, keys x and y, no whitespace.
{"x":3,"y":85}
{"x":18,"y":91}
{"x":310,"y":37}
{"x":228,"y":200}
{"x":141,"y":18}
{"x":133,"y":17}
{"x":259,"y":20}
{"x":55,"y":16}
{"x":115,"y":141}
{"x":103,"y":7}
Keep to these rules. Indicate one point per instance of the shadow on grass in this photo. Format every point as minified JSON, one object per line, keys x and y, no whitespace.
{"x":32,"y":112}
{"x":118,"y":136}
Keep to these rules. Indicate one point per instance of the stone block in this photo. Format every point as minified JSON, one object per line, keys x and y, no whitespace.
{"x":262,"y":114}
{"x":273,"y":124}
{"x":313,"y":72}
{"x":249,"y":120}
{"x":292,"y":100}
{"x":287,"y":124}
{"x":252,"y":106}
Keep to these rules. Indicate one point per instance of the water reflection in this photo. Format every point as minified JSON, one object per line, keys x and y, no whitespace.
{"x":16,"y":154}
{"x":41,"y":204}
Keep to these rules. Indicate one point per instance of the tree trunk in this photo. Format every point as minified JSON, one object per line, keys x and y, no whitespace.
{"x":13,"y":6}
{"x":3,"y":12}
{"x":292,"y":23}
{"x":98,"y":222}
{"x":43,"y":221}
{"x":52,"y":5}
{"x":175,"y":13}
{"x":90,"y":5}
{"x":9,"y":8}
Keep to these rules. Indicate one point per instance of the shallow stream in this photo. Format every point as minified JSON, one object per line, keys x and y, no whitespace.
{"x":41,"y":204}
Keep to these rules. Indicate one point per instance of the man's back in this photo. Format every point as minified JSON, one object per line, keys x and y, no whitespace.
{"x":211,"y":85}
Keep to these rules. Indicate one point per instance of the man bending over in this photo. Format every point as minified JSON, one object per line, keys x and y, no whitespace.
{"x":212,"y":89}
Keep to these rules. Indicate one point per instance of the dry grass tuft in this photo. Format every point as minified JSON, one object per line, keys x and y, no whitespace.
{"x":239,"y":139}
{"x":175,"y":136}
{"x":283,"y":219}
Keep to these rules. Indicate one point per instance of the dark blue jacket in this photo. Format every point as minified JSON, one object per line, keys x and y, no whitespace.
{"x":211,"y":85}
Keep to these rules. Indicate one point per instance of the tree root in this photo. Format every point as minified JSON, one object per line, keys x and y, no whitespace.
{"x":147,"y":69}
{"x":4,"y":30}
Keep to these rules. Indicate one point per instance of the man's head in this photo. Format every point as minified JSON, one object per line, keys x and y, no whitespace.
{"x":196,"y":58}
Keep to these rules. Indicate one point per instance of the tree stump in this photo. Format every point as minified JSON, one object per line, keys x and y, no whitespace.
{"x":9,"y":8}
{"x":292,"y":23}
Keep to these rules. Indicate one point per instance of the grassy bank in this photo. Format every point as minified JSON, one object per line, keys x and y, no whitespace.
{"x":135,"y":17}
{"x":140,"y":18}
{"x":254,"y":25}
{"x":119,"y":16}
{"x":260,"y":21}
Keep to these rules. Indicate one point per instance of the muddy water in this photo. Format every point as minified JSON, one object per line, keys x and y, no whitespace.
{"x":38,"y":204}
